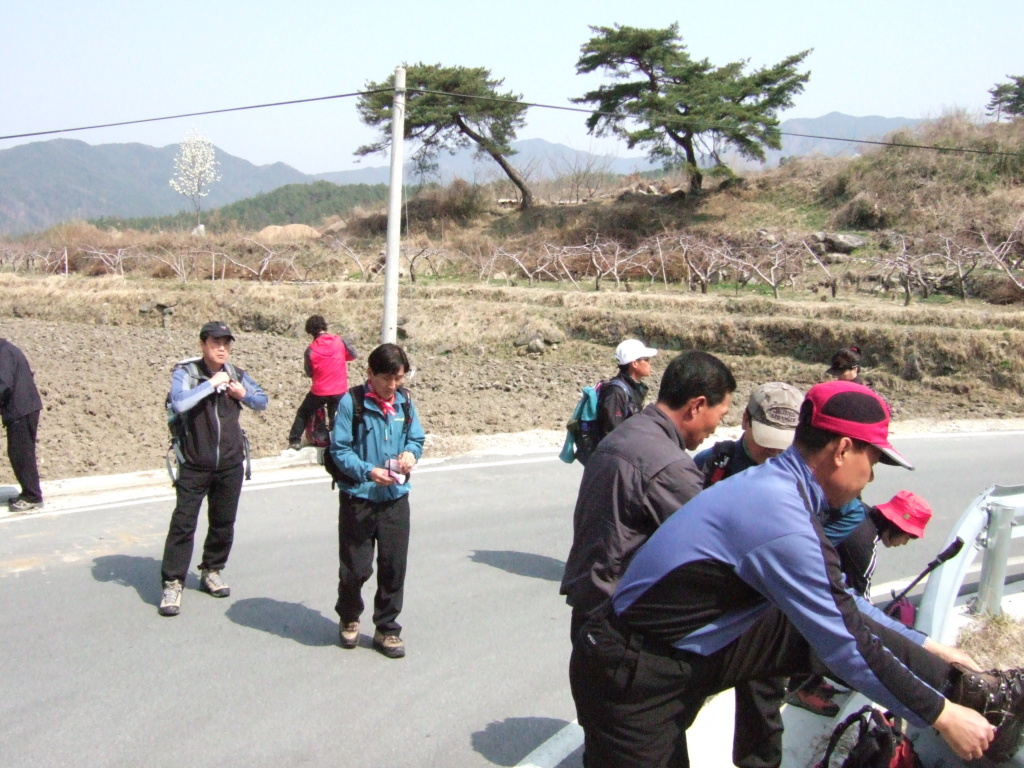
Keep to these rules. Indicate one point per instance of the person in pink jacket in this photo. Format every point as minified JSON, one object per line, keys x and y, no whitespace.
{"x":325,"y":362}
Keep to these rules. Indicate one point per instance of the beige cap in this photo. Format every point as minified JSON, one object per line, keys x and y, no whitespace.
{"x":774,"y":410}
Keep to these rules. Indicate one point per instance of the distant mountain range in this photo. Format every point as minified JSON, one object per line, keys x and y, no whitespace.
{"x":47,"y":182}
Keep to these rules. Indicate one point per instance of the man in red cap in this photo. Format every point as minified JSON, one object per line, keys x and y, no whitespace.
{"x":742,"y":584}
{"x":891,"y":524}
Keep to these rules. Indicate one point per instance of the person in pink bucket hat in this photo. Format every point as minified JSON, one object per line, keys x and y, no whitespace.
{"x":892,"y":524}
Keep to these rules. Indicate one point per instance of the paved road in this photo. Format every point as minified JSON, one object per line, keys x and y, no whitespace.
{"x":91,"y":675}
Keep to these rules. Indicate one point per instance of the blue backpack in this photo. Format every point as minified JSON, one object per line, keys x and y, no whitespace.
{"x":581,"y":437}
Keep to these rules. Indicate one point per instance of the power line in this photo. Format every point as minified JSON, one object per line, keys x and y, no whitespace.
{"x":712,"y":126}
{"x":666,"y":118}
{"x":192,"y":114}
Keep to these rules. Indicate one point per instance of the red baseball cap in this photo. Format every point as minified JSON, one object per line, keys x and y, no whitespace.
{"x":854,"y":411}
{"x":908,"y":511}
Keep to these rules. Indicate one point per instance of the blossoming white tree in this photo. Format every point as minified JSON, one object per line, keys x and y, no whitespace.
{"x":195,"y":169}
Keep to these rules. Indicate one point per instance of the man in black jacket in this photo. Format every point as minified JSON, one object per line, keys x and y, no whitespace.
{"x":19,"y":407}
{"x":623,"y":395}
{"x":212,"y":451}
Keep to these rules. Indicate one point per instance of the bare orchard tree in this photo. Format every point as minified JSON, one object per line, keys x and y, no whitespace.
{"x":832,"y":280}
{"x":1008,"y":254}
{"x":195,"y":169}
{"x":960,"y":259}
{"x":112,"y":261}
{"x":904,"y":264}
{"x":704,"y":260}
{"x":772,"y":259}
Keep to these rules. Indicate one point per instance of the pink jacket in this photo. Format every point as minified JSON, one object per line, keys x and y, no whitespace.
{"x":325,"y":364}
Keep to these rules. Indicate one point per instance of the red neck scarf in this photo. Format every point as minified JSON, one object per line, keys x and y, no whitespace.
{"x":388,"y":408}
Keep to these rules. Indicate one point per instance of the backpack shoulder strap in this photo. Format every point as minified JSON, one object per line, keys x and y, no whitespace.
{"x":718,"y":463}
{"x":358,"y":392}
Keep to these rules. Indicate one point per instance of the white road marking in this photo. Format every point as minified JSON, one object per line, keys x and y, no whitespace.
{"x":556,"y":749}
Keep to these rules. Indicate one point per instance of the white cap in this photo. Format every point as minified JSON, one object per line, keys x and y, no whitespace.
{"x":631,"y":350}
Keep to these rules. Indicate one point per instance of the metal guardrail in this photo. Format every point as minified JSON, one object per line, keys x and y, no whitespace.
{"x":987,"y":526}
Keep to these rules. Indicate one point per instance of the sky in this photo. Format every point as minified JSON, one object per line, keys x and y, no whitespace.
{"x":65,"y":63}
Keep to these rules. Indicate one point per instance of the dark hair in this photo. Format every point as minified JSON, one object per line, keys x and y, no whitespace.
{"x":846,"y":359}
{"x":695,"y":374}
{"x":810,"y":439}
{"x":388,"y":359}
{"x":316,"y":325}
{"x":884,"y":524}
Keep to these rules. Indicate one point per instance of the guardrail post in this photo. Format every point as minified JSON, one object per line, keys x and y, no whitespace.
{"x":993,"y":566}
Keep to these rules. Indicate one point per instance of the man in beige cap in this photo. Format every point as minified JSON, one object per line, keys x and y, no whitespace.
{"x":769,"y":421}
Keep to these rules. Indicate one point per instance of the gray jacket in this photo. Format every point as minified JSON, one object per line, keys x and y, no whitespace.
{"x":638,"y":476}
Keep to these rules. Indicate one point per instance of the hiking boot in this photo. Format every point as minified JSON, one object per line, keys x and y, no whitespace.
{"x":170,"y":601}
{"x":211,"y":582}
{"x":829,"y":691}
{"x":813,"y":701}
{"x":999,"y":696}
{"x":349,"y":634}
{"x":295,"y":445}
{"x":24,"y":505}
{"x":390,"y":645}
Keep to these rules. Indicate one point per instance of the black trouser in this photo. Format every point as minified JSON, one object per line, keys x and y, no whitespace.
{"x":21,"y":450}
{"x":757,"y":734}
{"x":221,"y":488}
{"x":361,"y":525}
{"x":308,"y":405}
{"x":635,"y":699}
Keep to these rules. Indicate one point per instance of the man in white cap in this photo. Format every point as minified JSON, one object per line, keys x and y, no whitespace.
{"x":623,"y":395}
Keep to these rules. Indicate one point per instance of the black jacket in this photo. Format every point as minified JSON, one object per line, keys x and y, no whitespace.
{"x":616,"y":403}
{"x":18,"y":394}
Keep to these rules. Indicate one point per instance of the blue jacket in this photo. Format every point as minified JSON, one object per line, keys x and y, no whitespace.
{"x":378,"y":439}
{"x":708,"y":573}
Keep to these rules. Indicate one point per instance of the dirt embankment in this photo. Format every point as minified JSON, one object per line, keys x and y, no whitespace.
{"x":103,"y":369}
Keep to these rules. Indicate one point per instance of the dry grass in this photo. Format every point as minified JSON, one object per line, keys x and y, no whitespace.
{"x":995,"y":642}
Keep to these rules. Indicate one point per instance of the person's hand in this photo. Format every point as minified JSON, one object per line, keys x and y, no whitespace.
{"x":406,"y":461}
{"x":236,"y":390}
{"x":951,"y":655}
{"x":219,"y":379}
{"x":966,"y":731}
{"x":381,"y":476}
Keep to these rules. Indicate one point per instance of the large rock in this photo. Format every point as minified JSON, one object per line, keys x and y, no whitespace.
{"x":287,"y":233}
{"x":844,"y":243}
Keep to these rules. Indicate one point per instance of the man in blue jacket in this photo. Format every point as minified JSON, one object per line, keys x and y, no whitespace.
{"x":376,"y":442}
{"x":742,"y":584}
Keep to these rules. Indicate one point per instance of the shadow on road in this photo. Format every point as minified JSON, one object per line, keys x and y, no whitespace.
{"x":521,"y":563}
{"x":292,"y":621}
{"x":509,"y":741}
{"x":140,"y":573}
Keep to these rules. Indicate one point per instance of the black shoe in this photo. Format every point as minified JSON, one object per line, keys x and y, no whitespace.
{"x":295,"y":445}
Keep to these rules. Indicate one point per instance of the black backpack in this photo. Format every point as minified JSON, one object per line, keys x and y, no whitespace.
{"x":880,"y":742}
{"x":338,"y":477}
{"x":174,"y":458}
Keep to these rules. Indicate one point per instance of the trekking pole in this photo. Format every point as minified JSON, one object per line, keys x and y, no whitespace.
{"x":947,"y":554}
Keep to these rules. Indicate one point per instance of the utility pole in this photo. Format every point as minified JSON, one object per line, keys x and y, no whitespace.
{"x":389,"y":325}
